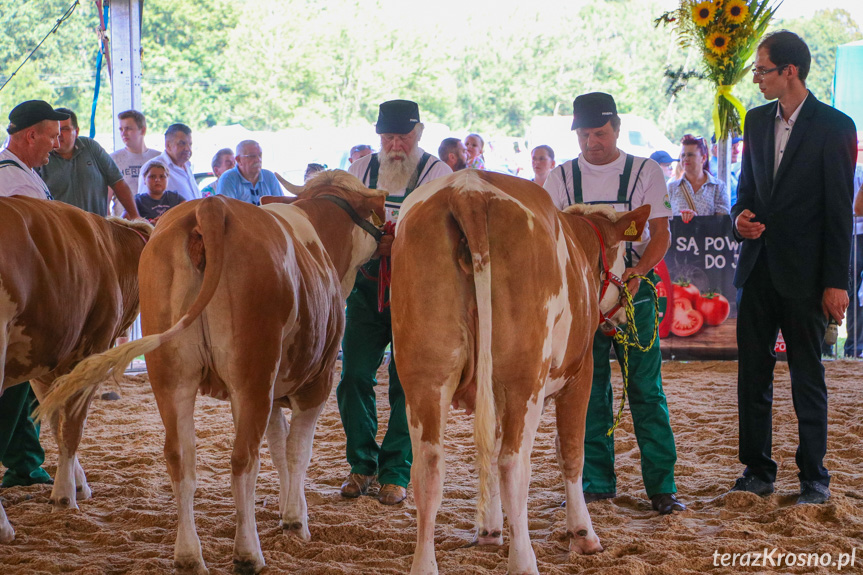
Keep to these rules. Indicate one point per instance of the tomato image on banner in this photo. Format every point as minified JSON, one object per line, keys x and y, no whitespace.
{"x":714,"y":307}
{"x":702,"y":259}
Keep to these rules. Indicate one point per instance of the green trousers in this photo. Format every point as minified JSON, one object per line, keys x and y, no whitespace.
{"x":646,"y":403}
{"x":367,"y":334}
{"x":20,"y":451}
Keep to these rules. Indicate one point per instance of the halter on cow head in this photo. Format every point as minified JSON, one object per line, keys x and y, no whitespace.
{"x":613,"y":229}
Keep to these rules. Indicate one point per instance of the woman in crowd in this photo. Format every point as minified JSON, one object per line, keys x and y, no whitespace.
{"x":222,"y":162}
{"x":475,"y":145}
{"x":542,"y":160}
{"x":696,"y":192}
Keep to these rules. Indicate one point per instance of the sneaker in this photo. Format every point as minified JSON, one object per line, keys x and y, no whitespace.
{"x":813,"y":492}
{"x":356,"y":484}
{"x":390,"y":494}
{"x":752,"y":484}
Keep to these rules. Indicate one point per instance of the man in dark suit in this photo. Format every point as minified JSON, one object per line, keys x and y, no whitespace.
{"x":793,"y":215}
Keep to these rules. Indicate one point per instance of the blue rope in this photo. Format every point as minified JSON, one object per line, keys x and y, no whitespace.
{"x":98,"y":81}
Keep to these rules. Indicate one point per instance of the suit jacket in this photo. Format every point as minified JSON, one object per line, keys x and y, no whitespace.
{"x":806,"y":207}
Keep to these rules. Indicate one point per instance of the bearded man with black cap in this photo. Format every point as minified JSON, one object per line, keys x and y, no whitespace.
{"x":34,"y":129}
{"x":399,"y":168}
{"x":603,"y":174}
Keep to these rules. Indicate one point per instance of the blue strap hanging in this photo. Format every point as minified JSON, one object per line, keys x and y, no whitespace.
{"x":98,"y":71}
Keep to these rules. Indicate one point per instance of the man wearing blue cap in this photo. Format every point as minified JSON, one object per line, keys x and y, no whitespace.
{"x":603,"y":174}
{"x":664,"y":160}
{"x":34,"y":129}
{"x":399,"y":168}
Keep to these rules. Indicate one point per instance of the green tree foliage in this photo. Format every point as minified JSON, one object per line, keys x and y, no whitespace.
{"x":483,"y":66}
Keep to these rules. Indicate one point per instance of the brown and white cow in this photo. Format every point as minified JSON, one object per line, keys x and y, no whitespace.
{"x":68,"y":288}
{"x":246,"y":303}
{"x":495,"y":300}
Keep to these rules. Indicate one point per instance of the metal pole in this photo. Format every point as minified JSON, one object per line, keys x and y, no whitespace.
{"x":125,"y":29}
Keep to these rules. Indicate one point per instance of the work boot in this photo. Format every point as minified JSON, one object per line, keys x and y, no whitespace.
{"x":390,"y":494}
{"x":356,"y":484}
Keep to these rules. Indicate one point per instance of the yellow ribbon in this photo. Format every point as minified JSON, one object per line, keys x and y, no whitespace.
{"x":725,"y":92}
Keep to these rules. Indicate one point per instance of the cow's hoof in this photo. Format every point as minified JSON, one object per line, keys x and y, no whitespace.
{"x":296,"y":529}
{"x":190,"y":566}
{"x":247,"y":566}
{"x":494,"y":537}
{"x":584,"y":544}
{"x":62,"y":503}
{"x":83,"y":492}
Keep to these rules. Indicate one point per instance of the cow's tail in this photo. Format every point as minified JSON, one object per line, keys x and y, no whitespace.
{"x":470,"y":210}
{"x":76,"y":387}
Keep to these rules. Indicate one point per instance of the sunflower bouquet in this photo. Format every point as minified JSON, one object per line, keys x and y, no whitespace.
{"x":726,"y":33}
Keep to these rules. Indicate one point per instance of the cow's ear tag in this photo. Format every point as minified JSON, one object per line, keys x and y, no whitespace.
{"x":376,"y":220}
{"x":631,"y":230}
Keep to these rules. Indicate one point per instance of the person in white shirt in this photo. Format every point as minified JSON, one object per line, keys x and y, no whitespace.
{"x":133,"y":128}
{"x":34,"y":130}
{"x":603,"y":174}
{"x":178,"y":151}
{"x":399,"y":168}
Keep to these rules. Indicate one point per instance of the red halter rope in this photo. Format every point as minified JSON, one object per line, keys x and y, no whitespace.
{"x":605,"y":323}
{"x":384,"y":277}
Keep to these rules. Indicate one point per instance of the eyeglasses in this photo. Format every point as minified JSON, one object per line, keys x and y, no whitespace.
{"x":761,"y":72}
{"x":255,"y":156}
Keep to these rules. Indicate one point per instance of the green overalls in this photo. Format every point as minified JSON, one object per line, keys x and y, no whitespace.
{"x":368,"y":332}
{"x":20,"y":450}
{"x":646,"y":398}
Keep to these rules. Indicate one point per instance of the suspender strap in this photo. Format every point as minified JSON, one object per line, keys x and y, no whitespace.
{"x":412,"y":183}
{"x":371,"y":174}
{"x":577,"y":194}
{"x":623,"y":189}
{"x":4,"y":163}
{"x":565,"y":189}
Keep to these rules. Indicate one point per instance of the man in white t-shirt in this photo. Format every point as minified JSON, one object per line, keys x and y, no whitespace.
{"x":603,"y":174}
{"x":133,"y":128}
{"x":34,"y":130}
{"x":399,"y":168}
{"x":178,"y":151}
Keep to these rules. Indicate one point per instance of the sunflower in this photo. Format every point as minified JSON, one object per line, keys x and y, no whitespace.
{"x":736,"y":11}
{"x":703,"y":12}
{"x":718,"y":42}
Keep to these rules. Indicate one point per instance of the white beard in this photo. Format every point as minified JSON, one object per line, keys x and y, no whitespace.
{"x":395,"y":173}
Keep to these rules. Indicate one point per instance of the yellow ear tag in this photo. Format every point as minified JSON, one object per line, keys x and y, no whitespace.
{"x":631,"y":230}
{"x":377,"y":221}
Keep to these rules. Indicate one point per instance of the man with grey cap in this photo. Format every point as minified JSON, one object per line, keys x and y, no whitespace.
{"x":399,"y":168}
{"x":34,"y":128}
{"x":603,"y":174}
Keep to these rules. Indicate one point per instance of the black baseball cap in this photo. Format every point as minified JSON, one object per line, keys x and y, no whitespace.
{"x":397,"y":117}
{"x":593,"y":110}
{"x":30,"y":113}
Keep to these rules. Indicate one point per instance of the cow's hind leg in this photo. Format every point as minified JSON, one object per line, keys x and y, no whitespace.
{"x":295,"y":516}
{"x":7,"y":534}
{"x":251,"y":404}
{"x":489,"y":519}
{"x":570,"y":410}
{"x":277,"y":436}
{"x":177,"y":407}
{"x":427,"y":422}
{"x":68,"y":429}
{"x":514,"y":465}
